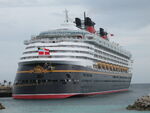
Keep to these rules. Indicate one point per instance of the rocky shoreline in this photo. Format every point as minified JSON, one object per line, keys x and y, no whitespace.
{"x":1,"y":106}
{"x":141,"y":104}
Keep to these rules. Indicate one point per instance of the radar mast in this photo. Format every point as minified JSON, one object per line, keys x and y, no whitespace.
{"x":66,"y":14}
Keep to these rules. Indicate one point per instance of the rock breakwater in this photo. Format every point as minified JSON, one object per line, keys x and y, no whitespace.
{"x":141,"y":104}
{"x":1,"y":106}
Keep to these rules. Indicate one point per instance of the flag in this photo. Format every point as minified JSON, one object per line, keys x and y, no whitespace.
{"x":40,"y":51}
{"x":47,"y":51}
{"x":43,"y":51}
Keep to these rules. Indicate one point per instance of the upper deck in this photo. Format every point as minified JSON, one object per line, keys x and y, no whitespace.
{"x":76,"y":35}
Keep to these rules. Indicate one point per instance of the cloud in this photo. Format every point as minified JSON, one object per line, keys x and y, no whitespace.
{"x":131,"y":14}
{"x":10,"y":53}
{"x":135,"y":37}
{"x":36,"y":3}
{"x":17,"y":3}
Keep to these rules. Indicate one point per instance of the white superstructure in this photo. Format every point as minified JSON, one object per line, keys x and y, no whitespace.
{"x":72,"y":45}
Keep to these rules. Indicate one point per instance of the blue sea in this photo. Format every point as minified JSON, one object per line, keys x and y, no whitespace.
{"x":108,"y":103}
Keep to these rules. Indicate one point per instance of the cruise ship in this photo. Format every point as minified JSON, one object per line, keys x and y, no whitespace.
{"x":73,"y":60}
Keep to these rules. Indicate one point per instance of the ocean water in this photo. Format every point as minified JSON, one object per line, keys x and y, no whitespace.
{"x":108,"y":103}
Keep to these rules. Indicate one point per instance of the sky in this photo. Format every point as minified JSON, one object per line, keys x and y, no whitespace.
{"x":128,"y":20}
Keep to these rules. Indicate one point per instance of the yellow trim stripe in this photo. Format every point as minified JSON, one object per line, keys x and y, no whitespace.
{"x":31,"y":71}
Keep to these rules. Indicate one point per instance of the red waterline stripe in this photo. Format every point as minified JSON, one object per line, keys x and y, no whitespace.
{"x":59,"y":96}
{"x":105,"y":92}
{"x":42,"y":96}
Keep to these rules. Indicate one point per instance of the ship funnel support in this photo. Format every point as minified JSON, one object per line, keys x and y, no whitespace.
{"x":78,"y":22}
{"x":103,"y":34}
{"x":101,"y":31}
{"x":89,"y":25}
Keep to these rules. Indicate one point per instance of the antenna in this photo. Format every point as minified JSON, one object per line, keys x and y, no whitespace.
{"x":66,"y":14}
{"x":84,"y":16}
{"x":84,"y":20}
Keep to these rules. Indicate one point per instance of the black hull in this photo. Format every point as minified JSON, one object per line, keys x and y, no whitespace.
{"x":65,"y":80}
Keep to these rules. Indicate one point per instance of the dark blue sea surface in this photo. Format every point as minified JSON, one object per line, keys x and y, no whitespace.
{"x":108,"y":103}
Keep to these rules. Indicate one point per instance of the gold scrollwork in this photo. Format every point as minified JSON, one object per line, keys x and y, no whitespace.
{"x":39,"y":69}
